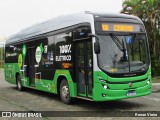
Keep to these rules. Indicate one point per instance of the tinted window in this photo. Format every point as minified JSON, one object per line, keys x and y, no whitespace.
{"x":81,"y":33}
{"x":12,"y":53}
{"x":48,"y":53}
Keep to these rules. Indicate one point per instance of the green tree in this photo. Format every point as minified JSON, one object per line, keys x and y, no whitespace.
{"x":149,"y":12}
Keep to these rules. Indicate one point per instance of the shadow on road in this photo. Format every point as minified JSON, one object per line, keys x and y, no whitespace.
{"x":156,"y":91}
{"x":125,"y":105}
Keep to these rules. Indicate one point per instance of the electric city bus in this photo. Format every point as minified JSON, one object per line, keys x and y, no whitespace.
{"x":93,"y":56}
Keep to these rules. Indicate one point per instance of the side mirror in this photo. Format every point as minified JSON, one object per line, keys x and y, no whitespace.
{"x":97,"y":47}
{"x":96,"y":44}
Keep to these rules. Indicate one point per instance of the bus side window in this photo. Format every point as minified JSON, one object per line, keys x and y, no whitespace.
{"x":80,"y":55}
{"x":48,"y":52}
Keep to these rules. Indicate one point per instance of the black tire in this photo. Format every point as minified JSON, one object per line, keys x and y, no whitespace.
{"x":65,"y":92}
{"x":19,"y":83}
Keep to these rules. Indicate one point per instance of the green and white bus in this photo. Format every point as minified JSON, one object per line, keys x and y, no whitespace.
{"x":93,"y":56}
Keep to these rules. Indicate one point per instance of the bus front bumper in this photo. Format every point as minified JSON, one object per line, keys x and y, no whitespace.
{"x":102,"y":94}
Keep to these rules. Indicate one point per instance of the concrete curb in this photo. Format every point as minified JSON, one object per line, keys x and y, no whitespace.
{"x":155,"y":84}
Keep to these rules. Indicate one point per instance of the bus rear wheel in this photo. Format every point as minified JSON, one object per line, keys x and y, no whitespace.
{"x":65,"y":92}
{"x":19,"y":83}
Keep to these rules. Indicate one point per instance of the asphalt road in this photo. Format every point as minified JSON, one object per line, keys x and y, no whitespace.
{"x":32,"y":100}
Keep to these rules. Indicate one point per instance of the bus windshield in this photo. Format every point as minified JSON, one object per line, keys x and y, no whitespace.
{"x":123,"y":53}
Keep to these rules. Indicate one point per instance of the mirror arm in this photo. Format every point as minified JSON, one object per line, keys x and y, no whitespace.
{"x":96,"y":43}
{"x":92,"y":35}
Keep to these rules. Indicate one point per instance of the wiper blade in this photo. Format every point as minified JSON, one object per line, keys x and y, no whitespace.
{"x":117,"y":41}
{"x":120,"y":45}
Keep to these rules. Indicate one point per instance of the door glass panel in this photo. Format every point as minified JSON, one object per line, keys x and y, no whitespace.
{"x":90,"y":82}
{"x":89,"y":54}
{"x":80,"y":68}
{"x":84,"y":67}
{"x":80,"y":54}
{"x":31,"y":70}
{"x":81,"y":81}
{"x":89,"y":66}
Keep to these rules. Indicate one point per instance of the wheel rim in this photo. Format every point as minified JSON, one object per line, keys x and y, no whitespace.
{"x":65,"y":92}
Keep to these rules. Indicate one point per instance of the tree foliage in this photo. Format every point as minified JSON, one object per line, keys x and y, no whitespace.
{"x":149,"y":12}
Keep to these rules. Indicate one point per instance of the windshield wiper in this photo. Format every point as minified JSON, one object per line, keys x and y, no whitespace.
{"x":117,"y":41}
{"x":120,"y":45}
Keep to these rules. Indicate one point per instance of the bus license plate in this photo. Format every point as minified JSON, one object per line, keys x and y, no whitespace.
{"x":131,"y":93}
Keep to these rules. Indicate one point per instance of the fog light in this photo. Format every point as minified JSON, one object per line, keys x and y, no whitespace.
{"x":105,"y":86}
{"x":148,"y":82}
{"x":104,"y":95}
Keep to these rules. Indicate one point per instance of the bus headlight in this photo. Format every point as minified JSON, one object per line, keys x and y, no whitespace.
{"x":148,"y":82}
{"x":105,"y":86}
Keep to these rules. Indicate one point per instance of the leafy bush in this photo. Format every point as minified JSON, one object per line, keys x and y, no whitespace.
{"x":155,"y":67}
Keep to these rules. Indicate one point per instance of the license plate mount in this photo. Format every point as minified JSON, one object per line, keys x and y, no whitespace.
{"x":131,"y":93}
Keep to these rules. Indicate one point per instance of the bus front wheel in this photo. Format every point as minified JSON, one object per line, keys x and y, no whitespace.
{"x":65,"y":92}
{"x":19,"y":83}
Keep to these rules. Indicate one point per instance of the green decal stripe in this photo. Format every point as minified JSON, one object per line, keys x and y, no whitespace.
{"x":24,"y":50}
{"x":46,"y":85}
{"x":115,"y":91}
{"x":20,"y":61}
{"x":41,"y":47}
{"x":10,"y":70}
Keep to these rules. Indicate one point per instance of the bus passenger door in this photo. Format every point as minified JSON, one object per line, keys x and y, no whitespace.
{"x":84,"y":78}
{"x":30,"y":66}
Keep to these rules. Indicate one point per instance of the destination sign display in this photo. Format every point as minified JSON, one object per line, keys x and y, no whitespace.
{"x":117,"y":27}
